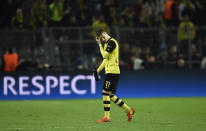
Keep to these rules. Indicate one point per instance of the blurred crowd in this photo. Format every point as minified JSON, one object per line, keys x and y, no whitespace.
{"x":33,"y":14}
{"x":12,"y":62}
{"x":137,"y":58}
{"x":184,"y":15}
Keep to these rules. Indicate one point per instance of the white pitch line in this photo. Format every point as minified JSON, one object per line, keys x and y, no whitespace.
{"x":55,"y":127}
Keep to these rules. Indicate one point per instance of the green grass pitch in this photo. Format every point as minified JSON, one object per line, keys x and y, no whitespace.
{"x":157,"y":114}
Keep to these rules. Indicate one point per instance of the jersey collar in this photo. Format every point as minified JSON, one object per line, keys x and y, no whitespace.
{"x":109,"y":39}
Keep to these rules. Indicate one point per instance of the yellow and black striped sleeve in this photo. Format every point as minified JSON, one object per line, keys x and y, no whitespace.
{"x":110,"y":47}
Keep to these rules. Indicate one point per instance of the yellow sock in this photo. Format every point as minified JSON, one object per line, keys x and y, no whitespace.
{"x":120,"y":103}
{"x":127,"y":108}
{"x":106,"y":102}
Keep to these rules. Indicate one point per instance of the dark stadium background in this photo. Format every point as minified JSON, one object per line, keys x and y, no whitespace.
{"x":68,"y":43}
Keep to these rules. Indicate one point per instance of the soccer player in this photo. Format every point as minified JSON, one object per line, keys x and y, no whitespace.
{"x":110,"y":54}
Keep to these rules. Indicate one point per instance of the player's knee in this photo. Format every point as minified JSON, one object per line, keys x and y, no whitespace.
{"x":105,"y":92}
{"x":111,"y":94}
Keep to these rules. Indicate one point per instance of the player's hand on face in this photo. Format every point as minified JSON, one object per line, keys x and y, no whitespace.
{"x":98,"y":40}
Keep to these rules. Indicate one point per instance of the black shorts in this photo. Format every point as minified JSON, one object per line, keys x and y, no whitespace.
{"x":111,"y":82}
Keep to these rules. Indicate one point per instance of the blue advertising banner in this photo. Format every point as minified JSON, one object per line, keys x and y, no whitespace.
{"x":70,"y":85}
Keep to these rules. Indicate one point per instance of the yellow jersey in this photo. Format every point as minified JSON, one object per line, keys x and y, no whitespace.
{"x":110,"y":54}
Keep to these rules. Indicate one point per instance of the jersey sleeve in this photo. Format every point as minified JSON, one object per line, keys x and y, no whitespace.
{"x":104,"y":54}
{"x":111,"y":46}
{"x":101,"y":66}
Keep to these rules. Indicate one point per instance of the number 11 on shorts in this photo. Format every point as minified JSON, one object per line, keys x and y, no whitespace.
{"x":107,"y":84}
